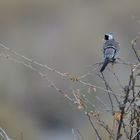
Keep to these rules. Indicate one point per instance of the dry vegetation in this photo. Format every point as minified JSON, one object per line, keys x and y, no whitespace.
{"x":124,"y":106}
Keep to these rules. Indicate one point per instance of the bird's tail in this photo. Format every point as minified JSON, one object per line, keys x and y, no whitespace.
{"x":105,"y":63}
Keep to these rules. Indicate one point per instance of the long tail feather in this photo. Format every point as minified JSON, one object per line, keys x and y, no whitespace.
{"x":104,"y":65}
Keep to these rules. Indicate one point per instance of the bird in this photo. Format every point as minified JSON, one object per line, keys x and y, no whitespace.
{"x":110,"y":50}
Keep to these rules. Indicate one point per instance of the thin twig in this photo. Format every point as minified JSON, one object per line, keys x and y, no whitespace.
{"x":116,"y":77}
{"x":107,"y":87}
{"x":3,"y":134}
{"x":82,"y":137}
{"x":133,"y":44}
{"x":74,"y":134}
{"x":126,"y":90}
{"x":93,"y":126}
{"x":135,"y":135}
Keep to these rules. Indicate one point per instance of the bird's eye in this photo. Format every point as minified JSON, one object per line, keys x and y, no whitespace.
{"x":106,"y":37}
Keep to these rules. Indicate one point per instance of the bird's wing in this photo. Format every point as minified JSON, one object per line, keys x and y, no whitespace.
{"x":109,"y":52}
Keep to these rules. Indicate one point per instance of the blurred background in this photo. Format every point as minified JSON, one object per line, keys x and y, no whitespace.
{"x":66,"y":35}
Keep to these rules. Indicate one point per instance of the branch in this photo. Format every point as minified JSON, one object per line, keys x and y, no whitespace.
{"x":135,"y":135}
{"x":107,"y":87}
{"x":126,"y":90}
{"x":102,"y":124}
{"x":93,"y":126}
{"x":4,"y":135}
{"x":134,"y":43}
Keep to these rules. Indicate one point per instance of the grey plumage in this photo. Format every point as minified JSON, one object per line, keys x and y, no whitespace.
{"x":110,"y":50}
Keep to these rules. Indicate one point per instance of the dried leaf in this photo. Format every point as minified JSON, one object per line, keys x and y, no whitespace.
{"x":117,"y":116}
{"x":94,"y":89}
{"x":79,"y":101}
{"x":73,"y":78}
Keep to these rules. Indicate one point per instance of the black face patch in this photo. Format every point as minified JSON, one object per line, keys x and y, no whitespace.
{"x":106,"y":37}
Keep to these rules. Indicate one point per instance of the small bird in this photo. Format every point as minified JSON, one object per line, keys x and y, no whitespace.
{"x":110,"y":50}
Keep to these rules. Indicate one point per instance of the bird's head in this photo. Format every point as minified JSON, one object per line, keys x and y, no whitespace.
{"x":108,"y":36}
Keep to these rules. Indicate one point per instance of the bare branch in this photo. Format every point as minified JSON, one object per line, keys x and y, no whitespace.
{"x":93,"y":126}
{"x":133,"y":44}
